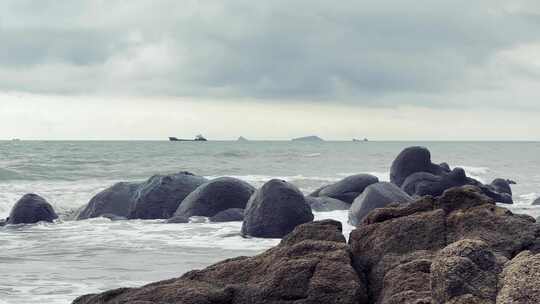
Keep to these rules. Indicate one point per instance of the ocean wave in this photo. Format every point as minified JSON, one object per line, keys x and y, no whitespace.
{"x":6,"y":175}
{"x":312,"y":155}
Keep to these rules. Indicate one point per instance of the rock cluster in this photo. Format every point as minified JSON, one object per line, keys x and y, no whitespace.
{"x":459,"y":248}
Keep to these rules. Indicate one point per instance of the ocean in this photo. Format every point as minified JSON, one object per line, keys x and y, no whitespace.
{"x":54,"y":263}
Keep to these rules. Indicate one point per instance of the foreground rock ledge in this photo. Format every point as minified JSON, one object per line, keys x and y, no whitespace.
{"x":310,"y":265}
{"x":458,"y":249}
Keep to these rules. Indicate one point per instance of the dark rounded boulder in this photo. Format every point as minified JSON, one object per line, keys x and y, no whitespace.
{"x":412,"y":160}
{"x":214,"y":196}
{"x":160,"y":196}
{"x":324,"y":203}
{"x":375,"y":196}
{"x":229,"y":215}
{"x":501,"y":185}
{"x":348,"y":188}
{"x":31,"y":208}
{"x":423,"y":183}
{"x":275,"y":210}
{"x":115,"y":200}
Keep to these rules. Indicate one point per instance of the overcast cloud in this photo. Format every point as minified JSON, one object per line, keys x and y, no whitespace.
{"x":433,"y":54}
{"x":314,"y":50}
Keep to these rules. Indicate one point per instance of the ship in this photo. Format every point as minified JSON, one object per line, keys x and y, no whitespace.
{"x":356,"y":139}
{"x":197,"y":138}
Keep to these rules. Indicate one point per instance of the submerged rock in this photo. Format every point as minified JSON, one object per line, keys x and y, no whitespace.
{"x":376,"y":196}
{"x":412,"y":160}
{"x":323,"y":203}
{"x":311,"y":265}
{"x":349,"y":188}
{"x":216,"y":195}
{"x":115,"y":200}
{"x":31,"y":208}
{"x":178,"y":220}
{"x":229,"y":215}
{"x":160,"y":196}
{"x":275,"y":210}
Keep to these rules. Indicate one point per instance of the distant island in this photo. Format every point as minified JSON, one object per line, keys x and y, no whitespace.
{"x":242,"y":138}
{"x":308,"y":138}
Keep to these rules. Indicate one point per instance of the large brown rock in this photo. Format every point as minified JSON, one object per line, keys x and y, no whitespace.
{"x":519,"y":282}
{"x":396,"y":247}
{"x":310,"y":265}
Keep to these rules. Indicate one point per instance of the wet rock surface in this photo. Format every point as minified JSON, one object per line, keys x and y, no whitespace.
{"x":30,"y":209}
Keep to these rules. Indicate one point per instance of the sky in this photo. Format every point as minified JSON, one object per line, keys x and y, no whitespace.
{"x":387,"y":70}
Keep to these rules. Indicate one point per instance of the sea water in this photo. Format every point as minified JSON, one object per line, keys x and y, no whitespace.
{"x":54,"y":263}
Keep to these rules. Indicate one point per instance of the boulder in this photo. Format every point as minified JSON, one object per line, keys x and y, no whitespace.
{"x":214,"y":196}
{"x":311,"y":265}
{"x":412,"y":160}
{"x":160,"y":196}
{"x":463,"y":271}
{"x":275,"y":210}
{"x":323,"y":203}
{"x":502,"y":186}
{"x":3,"y":222}
{"x":115,"y":200}
{"x":349,"y":188}
{"x":536,"y":201}
{"x":229,"y":215}
{"x":31,"y":208}
{"x":520,"y":280}
{"x":376,"y":196}
{"x":424,"y":183}
{"x":405,"y":254}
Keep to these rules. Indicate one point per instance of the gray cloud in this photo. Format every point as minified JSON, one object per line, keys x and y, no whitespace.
{"x":369,"y":52}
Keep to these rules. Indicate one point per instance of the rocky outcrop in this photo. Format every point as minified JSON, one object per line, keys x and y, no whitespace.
{"x":115,"y":200}
{"x":349,"y":188}
{"x":536,"y":201}
{"x":214,"y":196}
{"x":31,"y":208}
{"x":323,"y":203}
{"x":412,"y":160}
{"x":376,"y":196}
{"x":444,"y":250}
{"x":311,"y":265}
{"x":160,"y":196}
{"x":229,"y":215}
{"x":275,"y":210}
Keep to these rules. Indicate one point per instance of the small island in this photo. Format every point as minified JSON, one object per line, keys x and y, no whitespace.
{"x":242,"y":138}
{"x":308,"y":138}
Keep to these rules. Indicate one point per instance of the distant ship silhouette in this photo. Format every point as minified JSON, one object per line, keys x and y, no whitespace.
{"x":197,"y":138}
{"x":356,"y":139}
